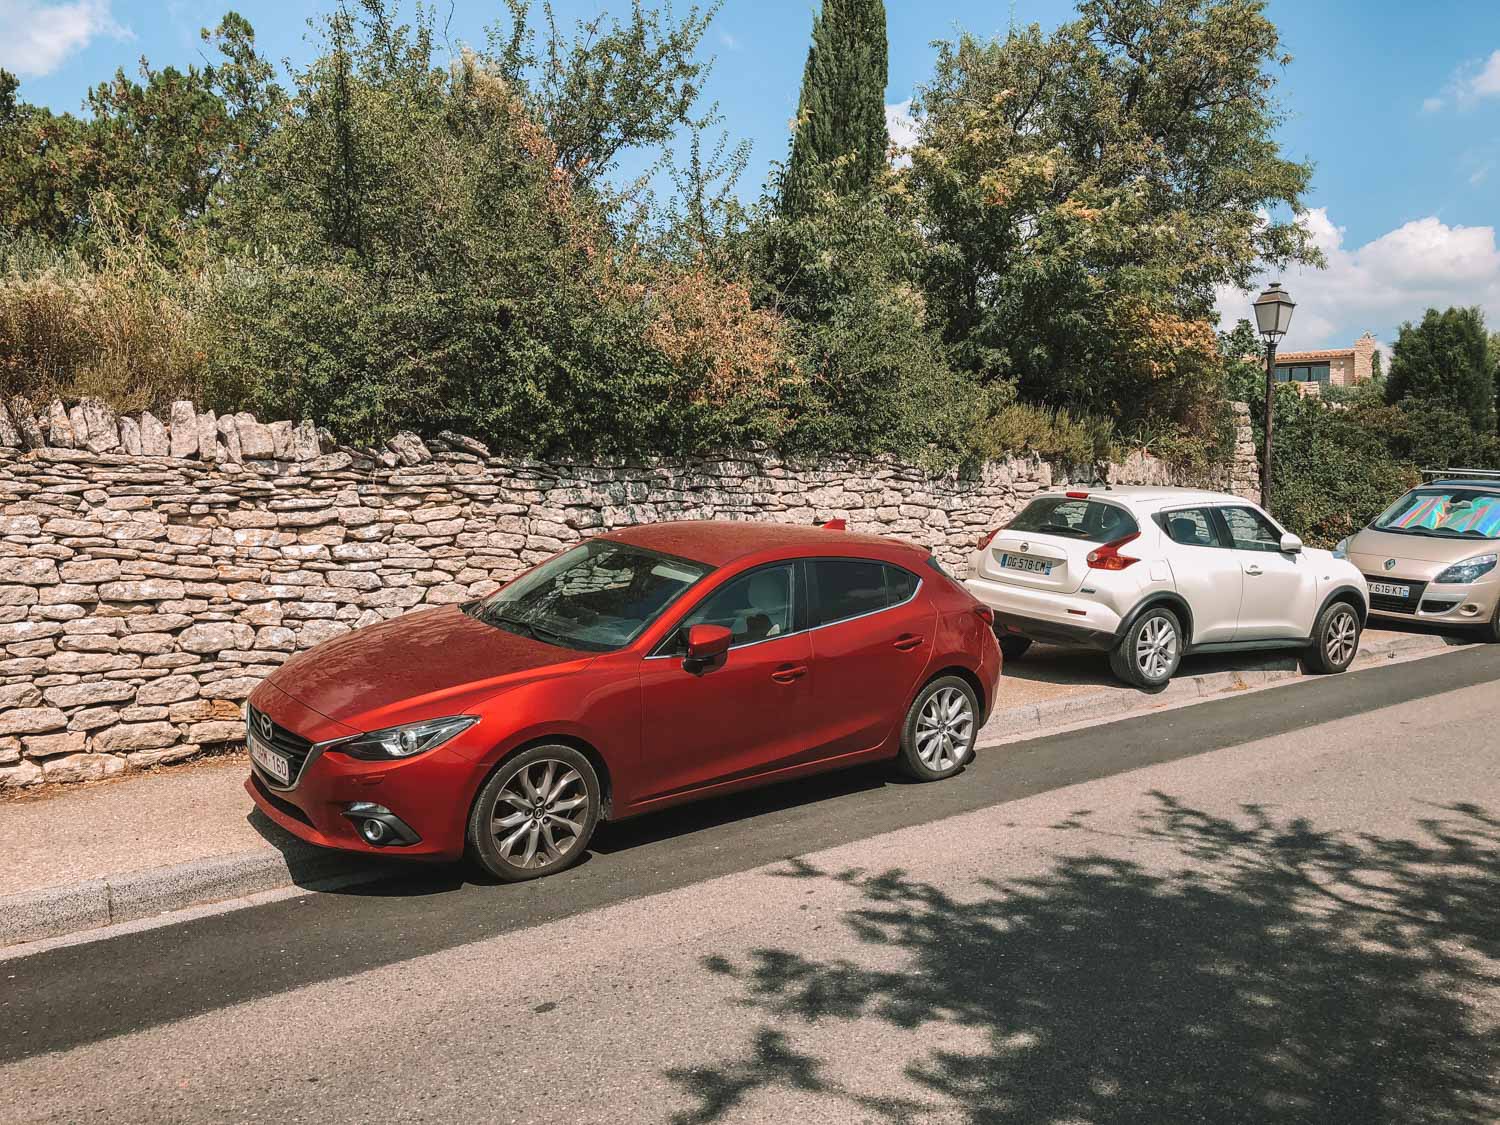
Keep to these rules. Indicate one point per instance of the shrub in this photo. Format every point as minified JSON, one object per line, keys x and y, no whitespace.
{"x":1332,"y":472}
{"x":421,"y":253}
{"x":125,"y":332}
{"x":1047,"y":431}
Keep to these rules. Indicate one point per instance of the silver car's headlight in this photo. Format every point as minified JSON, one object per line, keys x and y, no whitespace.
{"x":404,"y":741}
{"x":1469,"y":570}
{"x":1341,"y":551}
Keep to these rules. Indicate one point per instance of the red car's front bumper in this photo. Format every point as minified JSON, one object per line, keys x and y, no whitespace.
{"x":430,"y":793}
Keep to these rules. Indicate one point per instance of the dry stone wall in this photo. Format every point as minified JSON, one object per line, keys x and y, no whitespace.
{"x":153,"y":571}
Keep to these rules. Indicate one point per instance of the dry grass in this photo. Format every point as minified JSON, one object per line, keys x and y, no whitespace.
{"x":123,"y":331}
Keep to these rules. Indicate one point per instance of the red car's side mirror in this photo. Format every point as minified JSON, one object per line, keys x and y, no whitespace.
{"x":706,"y":643}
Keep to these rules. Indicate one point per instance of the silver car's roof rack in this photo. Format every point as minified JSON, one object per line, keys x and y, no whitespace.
{"x":1434,"y":475}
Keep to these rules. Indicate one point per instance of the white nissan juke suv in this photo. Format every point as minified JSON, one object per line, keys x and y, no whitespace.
{"x":1149,"y":575}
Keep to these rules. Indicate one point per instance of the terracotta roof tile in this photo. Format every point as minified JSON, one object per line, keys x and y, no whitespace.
{"x":1327,"y":353}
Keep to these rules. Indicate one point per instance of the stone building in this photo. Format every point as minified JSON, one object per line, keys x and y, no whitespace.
{"x":1338,"y":367}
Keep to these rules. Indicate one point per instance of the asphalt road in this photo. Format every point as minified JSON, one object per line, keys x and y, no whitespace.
{"x":1276,"y":907}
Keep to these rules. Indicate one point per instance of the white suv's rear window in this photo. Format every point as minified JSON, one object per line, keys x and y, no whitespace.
{"x":1090,"y":520}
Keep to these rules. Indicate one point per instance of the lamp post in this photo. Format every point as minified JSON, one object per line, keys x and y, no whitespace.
{"x":1273,"y":316}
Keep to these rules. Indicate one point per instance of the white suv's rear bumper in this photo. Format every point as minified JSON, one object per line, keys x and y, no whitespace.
{"x":1048,"y":616}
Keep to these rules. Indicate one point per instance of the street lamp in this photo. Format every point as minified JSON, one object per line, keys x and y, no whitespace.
{"x":1273,"y":316}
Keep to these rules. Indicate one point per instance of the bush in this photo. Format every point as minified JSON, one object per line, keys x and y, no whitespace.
{"x":1051,"y":432}
{"x":421,"y":255}
{"x":125,"y":332}
{"x":1332,"y":472}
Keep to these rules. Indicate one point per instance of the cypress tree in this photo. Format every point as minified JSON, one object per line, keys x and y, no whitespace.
{"x":840,"y":137}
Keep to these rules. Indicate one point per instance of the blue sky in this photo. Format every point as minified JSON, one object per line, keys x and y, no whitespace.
{"x":1398,"y":105}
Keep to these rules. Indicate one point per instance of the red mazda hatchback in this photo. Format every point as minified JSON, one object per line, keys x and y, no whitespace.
{"x":642,"y":668}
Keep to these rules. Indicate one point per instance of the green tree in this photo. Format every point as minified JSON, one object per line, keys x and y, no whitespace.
{"x":608,"y":88}
{"x":1242,"y":351}
{"x":160,"y":146}
{"x":1334,"y":469}
{"x":417,"y":255}
{"x":1086,"y":191}
{"x":1445,"y":362}
{"x":872,"y":377}
{"x":44,"y":182}
{"x":1495,"y":370}
{"x":839,"y":140}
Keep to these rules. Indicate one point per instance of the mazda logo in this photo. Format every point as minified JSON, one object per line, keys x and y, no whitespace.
{"x":263,"y":721}
{"x":1390,"y":564}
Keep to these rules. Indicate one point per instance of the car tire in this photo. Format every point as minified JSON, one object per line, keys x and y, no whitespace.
{"x":1150,"y":651}
{"x":1013,"y":647}
{"x":535,"y":814}
{"x":1335,"y":640}
{"x":937,"y":739}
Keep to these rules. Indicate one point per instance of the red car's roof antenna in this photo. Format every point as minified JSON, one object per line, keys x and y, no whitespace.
{"x":834,"y":525}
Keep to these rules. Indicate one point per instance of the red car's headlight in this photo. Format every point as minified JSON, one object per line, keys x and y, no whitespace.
{"x":403,"y":741}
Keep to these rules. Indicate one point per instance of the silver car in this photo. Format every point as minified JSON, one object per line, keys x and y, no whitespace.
{"x":1431,"y":556}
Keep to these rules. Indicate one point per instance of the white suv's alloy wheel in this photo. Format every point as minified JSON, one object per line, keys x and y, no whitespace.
{"x":1343,"y":638}
{"x":1156,"y":648}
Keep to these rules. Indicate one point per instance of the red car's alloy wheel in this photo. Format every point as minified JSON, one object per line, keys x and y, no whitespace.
{"x":533,"y":818}
{"x":944,"y":727}
{"x":937,"y":739}
{"x":535,"y":814}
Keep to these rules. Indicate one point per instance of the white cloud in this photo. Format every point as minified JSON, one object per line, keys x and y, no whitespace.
{"x":1474,"y":80}
{"x":1486,"y":83}
{"x":35,"y":38}
{"x":729,"y":41}
{"x":1375,"y":287}
{"x":901,"y":128}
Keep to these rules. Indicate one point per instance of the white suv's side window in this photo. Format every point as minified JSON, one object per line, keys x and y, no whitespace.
{"x":1192,"y":527}
{"x":1250,"y":530}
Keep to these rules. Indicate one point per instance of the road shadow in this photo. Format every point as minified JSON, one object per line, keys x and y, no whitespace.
{"x":1062,"y":666}
{"x":1452,"y":635}
{"x":712,"y":812}
{"x":320,"y":869}
{"x":323,"y":869}
{"x":1268,"y":972}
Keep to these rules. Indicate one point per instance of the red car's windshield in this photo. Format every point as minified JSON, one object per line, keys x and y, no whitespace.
{"x":599,"y":596}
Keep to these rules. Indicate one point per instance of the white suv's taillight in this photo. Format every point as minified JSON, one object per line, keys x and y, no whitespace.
{"x":988,"y":538}
{"x":1108,"y":557}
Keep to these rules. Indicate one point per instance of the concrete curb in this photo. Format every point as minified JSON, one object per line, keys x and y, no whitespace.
{"x":92,"y":903}
{"x":1007,"y":725}
{"x":131,"y":895}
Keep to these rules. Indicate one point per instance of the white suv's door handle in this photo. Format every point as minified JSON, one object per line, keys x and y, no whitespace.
{"x":1254,"y":568}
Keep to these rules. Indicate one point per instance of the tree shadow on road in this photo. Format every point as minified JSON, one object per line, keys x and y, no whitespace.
{"x":1267,"y":971}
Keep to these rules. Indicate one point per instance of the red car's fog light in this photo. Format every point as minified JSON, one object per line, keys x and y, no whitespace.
{"x":379,"y":826}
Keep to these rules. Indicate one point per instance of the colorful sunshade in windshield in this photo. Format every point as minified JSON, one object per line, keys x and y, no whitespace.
{"x":1429,"y":513}
{"x":1482,"y":516}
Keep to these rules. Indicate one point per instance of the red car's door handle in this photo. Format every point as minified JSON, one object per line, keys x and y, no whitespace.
{"x":907,"y":642}
{"x":789,"y":673}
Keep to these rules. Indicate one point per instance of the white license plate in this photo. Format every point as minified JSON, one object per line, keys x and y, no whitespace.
{"x":1033,"y":566}
{"x":272,"y":762}
{"x":1390,"y":589}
